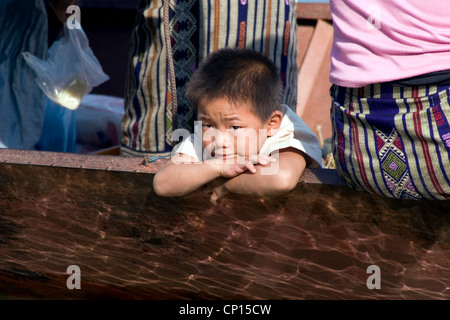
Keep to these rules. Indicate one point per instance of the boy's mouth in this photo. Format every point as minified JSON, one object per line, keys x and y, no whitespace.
{"x":222,"y":156}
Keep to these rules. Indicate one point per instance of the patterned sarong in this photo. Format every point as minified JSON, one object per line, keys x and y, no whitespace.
{"x":393,"y":141}
{"x":169,"y":41}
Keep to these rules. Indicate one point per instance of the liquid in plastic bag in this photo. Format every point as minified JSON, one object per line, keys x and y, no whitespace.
{"x":70,"y":96}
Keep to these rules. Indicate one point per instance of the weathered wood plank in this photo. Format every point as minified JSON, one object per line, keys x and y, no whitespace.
{"x":313,"y":11}
{"x":304,"y":36}
{"x":313,"y":102}
{"x":101,"y":214}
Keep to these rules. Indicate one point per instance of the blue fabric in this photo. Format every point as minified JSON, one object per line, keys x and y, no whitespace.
{"x":4,"y":4}
{"x":23,"y":27}
{"x":59,"y":132}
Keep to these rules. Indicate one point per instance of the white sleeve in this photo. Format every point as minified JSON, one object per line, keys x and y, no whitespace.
{"x":189,"y":147}
{"x":295,"y":133}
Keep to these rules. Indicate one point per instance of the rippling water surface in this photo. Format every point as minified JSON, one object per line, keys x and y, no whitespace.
{"x":314,"y":243}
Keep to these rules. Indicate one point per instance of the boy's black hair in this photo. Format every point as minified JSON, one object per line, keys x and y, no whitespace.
{"x":239,"y":75}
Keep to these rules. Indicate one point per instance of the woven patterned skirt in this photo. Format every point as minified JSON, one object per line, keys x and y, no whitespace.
{"x":171,"y":38}
{"x":393,"y":141}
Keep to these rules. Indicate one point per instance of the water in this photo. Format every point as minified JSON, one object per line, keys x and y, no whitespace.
{"x":314,"y":243}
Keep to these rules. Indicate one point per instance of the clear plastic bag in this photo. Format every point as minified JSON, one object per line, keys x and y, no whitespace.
{"x":70,"y":72}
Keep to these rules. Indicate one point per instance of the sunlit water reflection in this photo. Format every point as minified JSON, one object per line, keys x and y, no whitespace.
{"x":315,"y":243}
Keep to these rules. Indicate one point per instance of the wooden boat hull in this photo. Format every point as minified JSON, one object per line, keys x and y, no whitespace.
{"x":100,"y":213}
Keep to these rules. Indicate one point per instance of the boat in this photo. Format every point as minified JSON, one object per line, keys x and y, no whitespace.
{"x":100,"y":214}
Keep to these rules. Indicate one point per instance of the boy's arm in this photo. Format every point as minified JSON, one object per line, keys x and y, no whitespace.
{"x":291,"y":164}
{"x":184,"y":175}
{"x":176,"y":179}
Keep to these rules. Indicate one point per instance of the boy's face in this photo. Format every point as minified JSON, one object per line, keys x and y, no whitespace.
{"x":230,"y":130}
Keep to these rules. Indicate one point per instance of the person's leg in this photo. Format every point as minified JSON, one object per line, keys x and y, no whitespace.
{"x":146,"y":122}
{"x":393,"y":141}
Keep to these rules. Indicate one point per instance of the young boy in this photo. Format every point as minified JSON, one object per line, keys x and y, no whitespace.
{"x":250,"y":143}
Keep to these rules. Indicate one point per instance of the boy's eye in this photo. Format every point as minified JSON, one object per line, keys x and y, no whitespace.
{"x":235,"y":127}
{"x":206,"y":125}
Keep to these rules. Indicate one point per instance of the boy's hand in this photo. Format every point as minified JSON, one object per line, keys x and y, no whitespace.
{"x":228,"y":171}
{"x":242,"y":164}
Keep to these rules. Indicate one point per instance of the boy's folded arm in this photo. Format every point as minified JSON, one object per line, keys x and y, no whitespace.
{"x":280,"y":180}
{"x":183,"y":176}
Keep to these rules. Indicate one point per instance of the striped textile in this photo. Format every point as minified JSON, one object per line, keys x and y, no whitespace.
{"x":169,"y":41}
{"x":393,"y":141}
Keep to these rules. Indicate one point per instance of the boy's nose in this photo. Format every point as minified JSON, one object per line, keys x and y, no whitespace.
{"x":221,"y":139}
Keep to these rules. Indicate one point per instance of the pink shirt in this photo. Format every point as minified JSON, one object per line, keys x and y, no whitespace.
{"x":384,"y":40}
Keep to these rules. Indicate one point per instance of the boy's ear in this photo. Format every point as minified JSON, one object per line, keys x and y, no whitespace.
{"x":274,"y":123}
